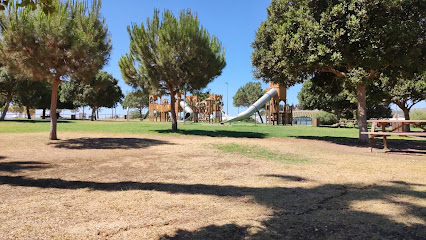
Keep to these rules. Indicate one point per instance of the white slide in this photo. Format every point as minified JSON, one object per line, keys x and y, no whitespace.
{"x":254,"y":107}
{"x":186,"y":110}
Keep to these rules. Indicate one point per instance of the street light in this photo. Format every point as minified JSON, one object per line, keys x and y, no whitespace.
{"x":227,"y":102}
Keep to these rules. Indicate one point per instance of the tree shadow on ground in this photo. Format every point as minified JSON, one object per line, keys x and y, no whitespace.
{"x":36,"y":121}
{"x":227,"y":231}
{"x":14,"y":167}
{"x":107,"y":143}
{"x":215,"y":133}
{"x":396,"y":145}
{"x":286,"y":177}
{"x":320,"y":212}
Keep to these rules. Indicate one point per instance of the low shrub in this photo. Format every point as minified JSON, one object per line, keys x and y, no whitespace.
{"x":326,"y":118}
{"x":135,"y":115}
{"x":418,"y":115}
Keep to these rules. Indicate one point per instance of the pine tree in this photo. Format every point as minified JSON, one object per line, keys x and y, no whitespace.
{"x":70,"y":42}
{"x":170,"y":54}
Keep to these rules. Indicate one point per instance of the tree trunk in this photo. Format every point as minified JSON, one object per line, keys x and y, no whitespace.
{"x":97,"y":114}
{"x":43,"y":116}
{"x":28,"y":112}
{"x":338,"y":114}
{"x":261,"y":119}
{"x":407,"y":117}
{"x":6,"y":106}
{"x":140,"y":112}
{"x":53,"y":103}
{"x":362,"y":112}
{"x":172,"y":110}
{"x":92,"y":117}
{"x":84,"y":117}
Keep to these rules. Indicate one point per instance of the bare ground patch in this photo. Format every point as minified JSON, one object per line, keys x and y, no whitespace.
{"x":106,"y":186}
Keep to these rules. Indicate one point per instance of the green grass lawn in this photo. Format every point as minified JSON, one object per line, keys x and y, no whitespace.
{"x":345,"y":136}
{"x":248,"y":130}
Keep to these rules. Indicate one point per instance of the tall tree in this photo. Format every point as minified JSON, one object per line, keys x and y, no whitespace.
{"x":334,"y":98}
{"x":8,"y":88}
{"x":101,"y":91}
{"x":329,"y":97}
{"x":138,"y":100}
{"x":355,"y":40}
{"x":70,"y":42}
{"x":247,"y":95}
{"x":406,"y":93}
{"x":27,"y":94}
{"x":171,"y":54}
{"x":44,"y":93}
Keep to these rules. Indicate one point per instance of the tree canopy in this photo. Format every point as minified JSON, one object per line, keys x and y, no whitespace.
{"x":248,"y":94}
{"x":406,"y":93}
{"x":2,"y":101}
{"x":138,"y":100}
{"x":330,"y":96}
{"x":169,"y":54}
{"x":101,"y":91}
{"x":70,"y":42}
{"x":325,"y":93}
{"x":46,"y":5}
{"x":355,"y":40}
{"x":31,"y":94}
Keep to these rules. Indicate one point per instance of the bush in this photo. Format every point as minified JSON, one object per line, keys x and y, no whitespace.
{"x":135,"y":115}
{"x":418,"y":115}
{"x":326,"y":118}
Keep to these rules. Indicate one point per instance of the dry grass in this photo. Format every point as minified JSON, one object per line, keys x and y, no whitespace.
{"x":106,"y":186}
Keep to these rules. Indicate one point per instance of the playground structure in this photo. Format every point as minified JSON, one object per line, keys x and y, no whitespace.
{"x":211,"y":109}
{"x":208,"y":110}
{"x":275,"y":113}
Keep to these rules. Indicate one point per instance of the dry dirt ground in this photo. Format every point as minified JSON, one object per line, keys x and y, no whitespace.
{"x":104,"y":186}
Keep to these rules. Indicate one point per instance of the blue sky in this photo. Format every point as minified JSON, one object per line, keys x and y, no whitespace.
{"x":233,"y":22}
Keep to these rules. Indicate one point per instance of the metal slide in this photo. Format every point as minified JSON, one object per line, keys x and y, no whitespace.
{"x":186,"y":110}
{"x":254,"y":107}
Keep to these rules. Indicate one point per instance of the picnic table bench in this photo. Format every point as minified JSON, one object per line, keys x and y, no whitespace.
{"x":346,"y":122}
{"x":400,"y":124}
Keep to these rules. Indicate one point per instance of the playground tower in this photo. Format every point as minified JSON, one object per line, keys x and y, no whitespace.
{"x":275,"y":112}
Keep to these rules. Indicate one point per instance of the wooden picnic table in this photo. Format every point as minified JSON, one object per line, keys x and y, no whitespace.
{"x":400,"y":124}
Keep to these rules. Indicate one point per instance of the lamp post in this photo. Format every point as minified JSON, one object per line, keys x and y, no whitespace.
{"x":227,"y":102}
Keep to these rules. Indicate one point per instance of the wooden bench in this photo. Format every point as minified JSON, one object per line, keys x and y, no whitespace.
{"x":372,"y":133}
